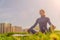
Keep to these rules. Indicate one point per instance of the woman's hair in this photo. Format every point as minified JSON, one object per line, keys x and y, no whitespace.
{"x":42,"y":10}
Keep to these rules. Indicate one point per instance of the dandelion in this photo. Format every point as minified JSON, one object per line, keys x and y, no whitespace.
{"x":54,"y":36}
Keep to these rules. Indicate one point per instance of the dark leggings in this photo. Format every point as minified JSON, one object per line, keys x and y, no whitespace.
{"x":33,"y":31}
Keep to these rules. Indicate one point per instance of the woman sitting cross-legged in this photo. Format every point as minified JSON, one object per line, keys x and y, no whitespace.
{"x":42,"y":21}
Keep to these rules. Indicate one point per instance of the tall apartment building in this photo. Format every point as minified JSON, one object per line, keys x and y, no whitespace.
{"x":17,"y":29}
{"x":5,"y":27}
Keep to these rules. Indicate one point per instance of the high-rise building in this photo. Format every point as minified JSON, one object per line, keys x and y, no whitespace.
{"x":25,"y":30}
{"x":5,"y":27}
{"x":17,"y":29}
{"x":13,"y":29}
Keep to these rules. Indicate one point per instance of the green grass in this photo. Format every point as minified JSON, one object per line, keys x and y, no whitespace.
{"x":38,"y":36}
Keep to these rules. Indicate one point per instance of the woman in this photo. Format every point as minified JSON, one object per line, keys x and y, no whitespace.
{"x":42,"y":21}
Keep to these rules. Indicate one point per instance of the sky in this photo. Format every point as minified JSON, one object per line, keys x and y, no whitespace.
{"x":25,"y":12}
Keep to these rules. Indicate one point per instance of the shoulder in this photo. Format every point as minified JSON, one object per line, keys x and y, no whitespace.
{"x":47,"y":18}
{"x":37,"y":19}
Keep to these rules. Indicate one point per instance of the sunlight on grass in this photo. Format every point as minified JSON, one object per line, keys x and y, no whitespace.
{"x":38,"y":36}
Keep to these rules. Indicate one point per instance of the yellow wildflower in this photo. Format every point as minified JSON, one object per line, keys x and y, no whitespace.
{"x":54,"y":36}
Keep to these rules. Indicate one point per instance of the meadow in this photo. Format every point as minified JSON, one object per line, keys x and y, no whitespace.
{"x":38,"y":36}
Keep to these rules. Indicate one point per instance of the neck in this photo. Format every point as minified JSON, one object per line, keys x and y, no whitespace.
{"x":43,"y":16}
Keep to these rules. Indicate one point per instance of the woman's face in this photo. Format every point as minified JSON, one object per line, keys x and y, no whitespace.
{"x":42,"y":13}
